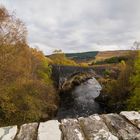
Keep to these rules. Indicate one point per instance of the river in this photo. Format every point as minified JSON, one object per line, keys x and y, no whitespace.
{"x":80,"y":102}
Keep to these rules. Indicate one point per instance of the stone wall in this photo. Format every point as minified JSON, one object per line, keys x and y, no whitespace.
{"x":123,"y":126}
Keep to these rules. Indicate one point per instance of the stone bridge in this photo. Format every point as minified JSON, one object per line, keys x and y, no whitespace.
{"x":62,"y":73}
{"x":123,"y":126}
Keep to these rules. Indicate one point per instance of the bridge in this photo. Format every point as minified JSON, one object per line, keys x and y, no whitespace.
{"x":62,"y":73}
{"x":123,"y":126}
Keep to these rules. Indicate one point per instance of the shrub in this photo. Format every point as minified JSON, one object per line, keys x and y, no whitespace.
{"x":61,"y":59}
{"x":134,"y":101}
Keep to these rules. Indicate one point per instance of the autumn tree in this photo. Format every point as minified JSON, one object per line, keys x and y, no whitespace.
{"x":13,"y":31}
{"x":134,"y":100}
{"x":26,"y":88}
{"x":59,"y":58}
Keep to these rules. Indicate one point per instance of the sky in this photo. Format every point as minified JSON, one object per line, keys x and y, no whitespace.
{"x":79,"y":25}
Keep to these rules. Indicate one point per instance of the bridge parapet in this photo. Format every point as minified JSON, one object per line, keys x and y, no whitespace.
{"x":125,"y":125}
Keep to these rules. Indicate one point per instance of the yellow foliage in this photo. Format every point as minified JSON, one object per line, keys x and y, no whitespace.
{"x":26,"y":88}
{"x":61,"y":59}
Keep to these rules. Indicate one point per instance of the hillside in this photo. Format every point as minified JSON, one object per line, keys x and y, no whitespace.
{"x":108,"y":54}
{"x":88,"y":57}
{"x":85,"y":56}
{"x":96,"y":55}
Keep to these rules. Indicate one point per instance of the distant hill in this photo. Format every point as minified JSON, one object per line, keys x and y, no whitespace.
{"x":85,"y":56}
{"x":94,"y":55}
{"x":108,"y":54}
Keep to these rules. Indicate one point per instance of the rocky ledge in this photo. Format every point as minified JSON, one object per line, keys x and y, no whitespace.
{"x":123,"y":126}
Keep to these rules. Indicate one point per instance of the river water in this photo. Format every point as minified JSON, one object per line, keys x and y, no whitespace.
{"x":80,"y":101}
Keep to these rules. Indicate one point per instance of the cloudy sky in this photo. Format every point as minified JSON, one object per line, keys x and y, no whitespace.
{"x":79,"y":25}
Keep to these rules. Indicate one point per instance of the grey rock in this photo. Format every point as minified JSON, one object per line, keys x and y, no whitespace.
{"x":132,"y":116}
{"x":125,"y":126}
{"x":27,"y":132}
{"x":120,"y":127}
{"x":71,"y":130}
{"x":95,"y":129}
{"x":49,"y":130}
{"x":8,"y":133}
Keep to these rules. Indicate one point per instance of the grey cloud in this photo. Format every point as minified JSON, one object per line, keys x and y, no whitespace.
{"x":79,"y":25}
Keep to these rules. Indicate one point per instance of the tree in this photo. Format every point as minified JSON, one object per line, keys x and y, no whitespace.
{"x":61,"y":59}
{"x":26,"y":88}
{"x":12,"y":44}
{"x":134,"y":101}
{"x":57,"y":51}
{"x":136,"y":45}
{"x":12,"y":30}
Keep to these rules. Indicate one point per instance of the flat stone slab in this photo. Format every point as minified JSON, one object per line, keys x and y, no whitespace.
{"x":71,"y":130}
{"x":121,"y":127}
{"x":8,"y":133}
{"x":27,"y":132}
{"x":132,"y":116}
{"x":49,"y":130}
{"x":95,"y":129}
